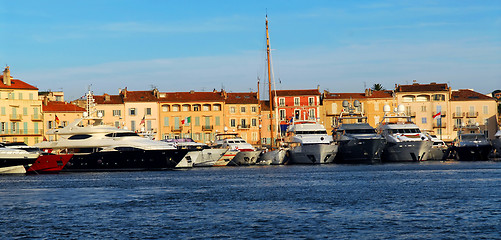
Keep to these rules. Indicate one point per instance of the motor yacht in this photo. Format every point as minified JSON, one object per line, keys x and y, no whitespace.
{"x":471,"y":145}
{"x":98,"y":147}
{"x":240,"y":153}
{"x":199,"y":154}
{"x":404,"y":140}
{"x":15,"y":160}
{"x":358,"y":141}
{"x":496,"y":144}
{"x":309,"y":143}
{"x":439,"y":150}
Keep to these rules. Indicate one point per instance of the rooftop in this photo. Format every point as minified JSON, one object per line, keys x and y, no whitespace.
{"x":416,"y":87}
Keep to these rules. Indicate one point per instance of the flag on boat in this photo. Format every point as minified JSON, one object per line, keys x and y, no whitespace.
{"x":438,"y":115}
{"x":186,"y":120}
{"x":142,"y":121}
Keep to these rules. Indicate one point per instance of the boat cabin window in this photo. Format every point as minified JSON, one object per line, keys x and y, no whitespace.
{"x":403,"y":131}
{"x":312,"y":132}
{"x":122,"y":134}
{"x":80,"y":137}
{"x":127,"y":149}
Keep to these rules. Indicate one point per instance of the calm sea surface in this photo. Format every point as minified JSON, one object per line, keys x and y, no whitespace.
{"x":433,"y":200}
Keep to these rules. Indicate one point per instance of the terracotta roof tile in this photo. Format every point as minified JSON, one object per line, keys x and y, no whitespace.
{"x":304,"y":92}
{"x":16,"y":84}
{"x":468,"y":95}
{"x":192,"y":97}
{"x":139,"y":96}
{"x":375,"y":94}
{"x":242,"y":98}
{"x":416,"y":87}
{"x":265,"y":105}
{"x":61,"y":107}
{"x":108,"y":99}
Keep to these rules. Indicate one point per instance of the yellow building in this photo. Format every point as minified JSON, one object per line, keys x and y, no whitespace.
{"x":470,"y":107}
{"x":242,"y":115}
{"x":371,"y":106}
{"x":58,"y":114}
{"x":112,"y":109}
{"x":197,"y":115}
{"x":21,"y":117}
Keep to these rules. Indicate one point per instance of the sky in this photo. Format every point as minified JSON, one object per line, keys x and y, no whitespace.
{"x":339,"y":46}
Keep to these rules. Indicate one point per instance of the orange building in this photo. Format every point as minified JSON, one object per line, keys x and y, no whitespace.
{"x":242,"y":115}
{"x":59,"y":114}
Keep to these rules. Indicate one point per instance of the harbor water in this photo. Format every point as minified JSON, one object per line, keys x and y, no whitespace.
{"x":428,"y":200}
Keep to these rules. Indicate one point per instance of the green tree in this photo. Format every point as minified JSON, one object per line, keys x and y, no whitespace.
{"x":377,"y":87}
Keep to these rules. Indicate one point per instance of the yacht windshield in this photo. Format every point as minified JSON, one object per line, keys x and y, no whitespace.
{"x":80,"y":137}
{"x":360,"y":131}
{"x":473,"y":137}
{"x":122,"y":134}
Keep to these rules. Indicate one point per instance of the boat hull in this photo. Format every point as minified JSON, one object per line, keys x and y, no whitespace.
{"x":312,"y":154}
{"x":472,"y":153}
{"x":412,"y":151}
{"x":275,"y":157}
{"x":125,"y":160}
{"x":51,"y":163}
{"x":209,"y":157}
{"x":360,"y":151}
{"x":496,"y":145}
{"x":19,"y":169}
{"x":438,"y":153}
{"x":244,"y":158}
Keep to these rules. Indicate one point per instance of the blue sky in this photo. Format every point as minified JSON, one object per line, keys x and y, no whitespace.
{"x":201,"y":45}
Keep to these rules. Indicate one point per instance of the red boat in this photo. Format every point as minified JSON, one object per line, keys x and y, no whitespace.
{"x":49,"y":163}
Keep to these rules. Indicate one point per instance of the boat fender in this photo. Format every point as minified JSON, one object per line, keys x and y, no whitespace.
{"x":322,"y":138}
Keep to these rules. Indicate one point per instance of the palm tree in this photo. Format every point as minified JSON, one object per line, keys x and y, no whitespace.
{"x":377,"y":87}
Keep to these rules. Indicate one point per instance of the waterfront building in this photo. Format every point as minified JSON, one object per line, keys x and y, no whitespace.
{"x":290,"y":105}
{"x":141,"y":111}
{"x":21,"y":118}
{"x":197,"y":115}
{"x":371,"y":106}
{"x":58,"y":114}
{"x":242,"y":115}
{"x":111,"y":108}
{"x":423,"y":102}
{"x":57,"y":96}
{"x":264,"y":122}
{"x":469,"y":107}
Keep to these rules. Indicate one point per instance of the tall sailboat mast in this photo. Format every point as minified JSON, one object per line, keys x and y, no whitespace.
{"x":269,"y":81}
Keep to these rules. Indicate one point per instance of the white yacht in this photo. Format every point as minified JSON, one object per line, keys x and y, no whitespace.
{"x":14,"y":160}
{"x":240,"y":153}
{"x":309,"y":143}
{"x":439,"y":150}
{"x":404,"y":140}
{"x":98,"y":147}
{"x":199,"y":154}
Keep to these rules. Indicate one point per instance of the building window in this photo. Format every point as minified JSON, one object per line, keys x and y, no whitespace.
{"x":438,"y":97}
{"x":423,"y":120}
{"x":254,"y":122}
{"x":133,"y":125}
{"x":100,"y":113}
{"x":423,"y":108}
{"x":132,"y":112}
{"x":218,"y":121}
{"x":312,"y":114}
{"x":197,"y":121}
{"x":297,"y":114}
{"x":243,"y":123}
{"x":232,"y":109}
{"x":254,"y":136}
{"x":296,"y":101}
{"x":117,"y":124}
{"x":408,"y":98}
{"x":31,"y":96}
{"x":165,"y":108}
{"x":206,"y":107}
{"x":472,"y":110}
{"x":166,"y":121}
{"x":117,"y":113}
{"x":243,"y":109}
{"x":148,"y":111}
{"x":282,"y":114}
{"x":25,"y":111}
{"x":486,"y":110}
{"x":20,"y":96}
{"x":175,"y":108}
{"x":311,"y":101}
{"x":59,"y":98}
{"x":233,"y":123}
{"x":50,"y":125}
{"x":281,"y":102}
{"x":458,"y":111}
{"x":253,"y":109}
{"x":196,"y":107}
{"x":217,"y":107}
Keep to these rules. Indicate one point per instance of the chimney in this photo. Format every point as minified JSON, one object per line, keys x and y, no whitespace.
{"x":45,"y":100}
{"x":366,"y":92}
{"x":6,"y":76}
{"x":107,"y":97}
{"x":124,"y":92}
{"x":192,"y":91}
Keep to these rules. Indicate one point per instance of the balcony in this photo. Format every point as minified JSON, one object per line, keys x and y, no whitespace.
{"x":458,"y":114}
{"x":176,"y":129}
{"x":21,"y":132}
{"x":436,"y":125}
{"x":472,"y":114}
{"x":16,"y":117}
{"x":243,"y":126}
{"x":207,"y":127}
{"x":37,"y":117}
{"x":410,"y":114}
